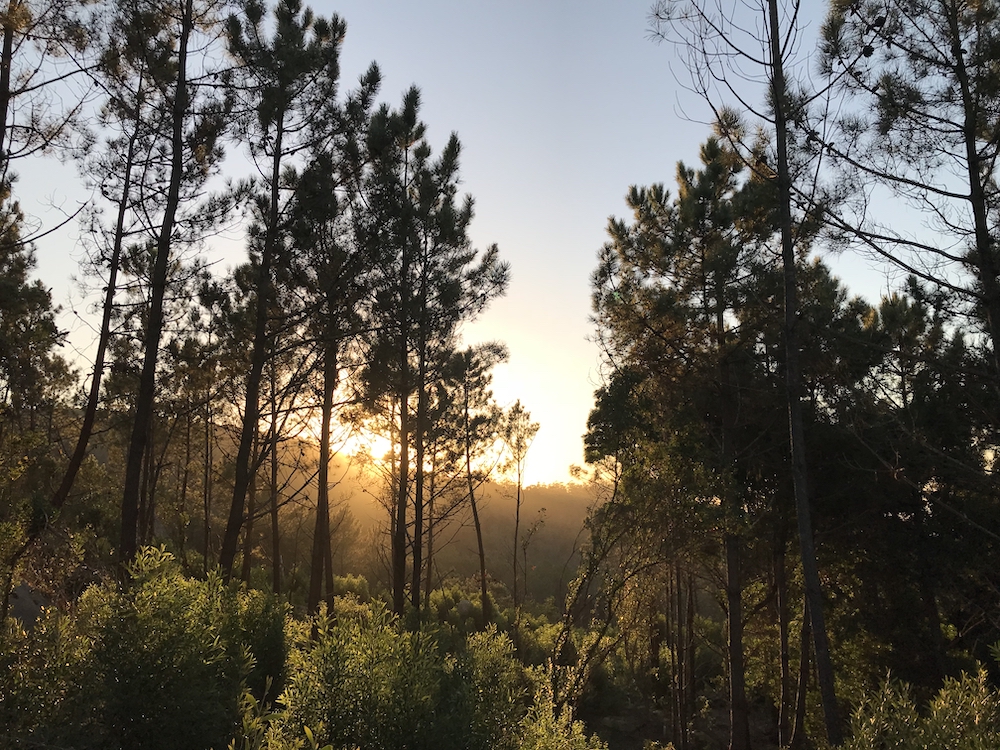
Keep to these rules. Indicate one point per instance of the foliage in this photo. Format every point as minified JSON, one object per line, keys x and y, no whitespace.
{"x":964,"y":715}
{"x":548,"y":727}
{"x":160,"y":663}
{"x":365,"y":684}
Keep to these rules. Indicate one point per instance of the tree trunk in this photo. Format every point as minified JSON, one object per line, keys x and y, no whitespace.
{"x":6,"y":62}
{"x":275,"y":530}
{"x":248,"y":526}
{"x":798,"y":738}
{"x":260,"y":348}
{"x":517,"y":528}
{"x":207,"y":477}
{"x":185,"y":479}
{"x":104,"y":338}
{"x":420,"y":433}
{"x":739,"y":712}
{"x":321,"y":534}
{"x":484,"y":596}
{"x":154,"y":327}
{"x":786,"y":702}
{"x":793,"y":388}
{"x":429,"y":557}
{"x":984,"y":257}
{"x":688,"y":710}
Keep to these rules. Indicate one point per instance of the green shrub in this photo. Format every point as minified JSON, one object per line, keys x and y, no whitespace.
{"x":364,"y":683}
{"x":161,"y":663}
{"x":964,"y":715}
{"x":548,"y":727}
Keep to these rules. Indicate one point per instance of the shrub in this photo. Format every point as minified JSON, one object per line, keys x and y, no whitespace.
{"x":364,"y":683}
{"x":964,"y":715}
{"x":160,"y":663}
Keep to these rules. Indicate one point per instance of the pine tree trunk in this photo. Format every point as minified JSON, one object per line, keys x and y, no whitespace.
{"x":207,"y":478}
{"x":403,"y":488}
{"x":798,"y":738}
{"x":321,"y":534}
{"x":739,"y":712}
{"x":275,"y":530}
{"x":786,"y":701}
{"x":248,"y":526}
{"x":185,"y":479}
{"x":688,"y":710}
{"x":154,"y":327}
{"x":429,"y":557}
{"x":6,"y":62}
{"x":104,"y":338}
{"x":978,"y":171}
{"x":793,"y":388}
{"x":260,"y":347}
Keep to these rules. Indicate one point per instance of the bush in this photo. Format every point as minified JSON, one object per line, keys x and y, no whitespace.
{"x":366,"y":684}
{"x":964,"y":715}
{"x":160,"y":663}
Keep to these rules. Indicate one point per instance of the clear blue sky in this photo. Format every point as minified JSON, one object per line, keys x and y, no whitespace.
{"x":559,"y":106}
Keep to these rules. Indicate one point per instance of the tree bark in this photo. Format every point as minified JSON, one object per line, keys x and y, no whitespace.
{"x":484,"y":596}
{"x":798,"y":738}
{"x":786,"y":702}
{"x":793,"y":388}
{"x":259,"y":352}
{"x":154,"y":327}
{"x":321,"y":534}
{"x":275,"y":530}
{"x":248,"y":527}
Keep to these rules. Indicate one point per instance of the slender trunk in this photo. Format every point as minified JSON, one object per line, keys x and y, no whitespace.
{"x":517,"y":528}
{"x":927,"y":595}
{"x":685,"y":652}
{"x":399,"y":521}
{"x":793,"y":387}
{"x":985,"y":259}
{"x":104,"y":338}
{"x":248,"y":527}
{"x":688,"y":709}
{"x":429,"y":557}
{"x":418,"y":484}
{"x":798,"y":738}
{"x":146,"y":493}
{"x":403,"y":489}
{"x":785,"y":697}
{"x":739,"y":712}
{"x":275,"y":531}
{"x":328,"y":565}
{"x":420,"y":432}
{"x":185,"y":479}
{"x":670,"y":626}
{"x":321,"y":534}
{"x":739,"y":709}
{"x":207,"y":476}
{"x":154,"y":326}
{"x":6,"y":61}
{"x":484,"y":596}
{"x":259,"y":352}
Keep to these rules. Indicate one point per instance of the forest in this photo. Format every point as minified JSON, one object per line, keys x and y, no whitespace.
{"x":278,"y":506}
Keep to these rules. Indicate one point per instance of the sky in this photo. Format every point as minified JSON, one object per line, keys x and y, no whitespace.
{"x":560,"y":106}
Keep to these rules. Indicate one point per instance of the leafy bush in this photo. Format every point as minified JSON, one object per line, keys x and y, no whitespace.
{"x":547,"y":727}
{"x":964,"y":715}
{"x":160,"y":663}
{"x":366,"y":684}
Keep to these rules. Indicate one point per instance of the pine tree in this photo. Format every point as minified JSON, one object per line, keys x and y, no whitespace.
{"x":183,"y":151}
{"x":433,"y":281}
{"x":289,"y":87}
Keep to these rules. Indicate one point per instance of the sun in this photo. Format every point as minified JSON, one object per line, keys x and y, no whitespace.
{"x":355,"y":441}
